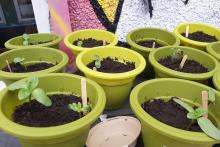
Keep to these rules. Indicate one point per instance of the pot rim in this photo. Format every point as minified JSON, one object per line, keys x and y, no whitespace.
{"x":211,"y":51}
{"x":216,"y":79}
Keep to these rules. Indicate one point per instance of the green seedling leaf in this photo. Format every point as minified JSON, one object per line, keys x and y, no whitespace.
{"x":17,"y":85}
{"x":18,"y":60}
{"x":76,"y":107}
{"x":86,"y":109}
{"x":32,"y":83}
{"x":40,"y":96}
{"x":79,"y":43}
{"x":25,"y":43}
{"x":23,"y":94}
{"x":98,"y":61}
{"x":25,"y":36}
{"x":211,"y":95}
{"x":209,"y":128}
{"x":184,"y":105}
{"x":177,"y":54}
{"x":197,"y":113}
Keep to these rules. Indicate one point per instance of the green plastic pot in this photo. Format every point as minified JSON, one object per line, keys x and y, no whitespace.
{"x":117,"y":86}
{"x":73,"y":134}
{"x":163,"y":36}
{"x":32,"y":55}
{"x":202,"y":57}
{"x":17,"y":42}
{"x":216,"y":80}
{"x":109,"y":37}
{"x":158,"y":134}
{"x":194,"y":27}
{"x":214,"y":50}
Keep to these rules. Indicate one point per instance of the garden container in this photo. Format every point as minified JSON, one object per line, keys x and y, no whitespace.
{"x":109,"y":37}
{"x":203,"y":58}
{"x":32,"y":55}
{"x":17,"y":42}
{"x":73,"y":134}
{"x":158,"y":134}
{"x":117,"y":86}
{"x":160,"y":35}
{"x":214,"y":50}
{"x":194,"y":27}
{"x":216,"y":79}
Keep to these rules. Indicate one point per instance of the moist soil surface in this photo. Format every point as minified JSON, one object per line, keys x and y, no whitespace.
{"x":35,"y":114}
{"x":90,"y":42}
{"x":170,"y":113}
{"x":19,"y":68}
{"x":149,"y":43}
{"x":201,"y":37}
{"x":40,"y":42}
{"x":190,"y":66}
{"x":109,"y":65}
{"x":2,"y":50}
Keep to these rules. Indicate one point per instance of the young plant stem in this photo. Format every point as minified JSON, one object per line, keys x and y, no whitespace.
{"x":190,"y":124}
{"x":205,"y":102}
{"x":9,"y":67}
{"x":183,"y":61}
{"x":153,"y":45}
{"x":187,"y":31}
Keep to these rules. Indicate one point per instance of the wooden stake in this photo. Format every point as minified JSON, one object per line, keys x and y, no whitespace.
{"x":9,"y":67}
{"x":205,"y":96}
{"x":83,"y":91}
{"x":187,"y":31}
{"x":104,"y":42}
{"x":153,"y":45}
{"x":94,"y":68}
{"x":183,"y":61}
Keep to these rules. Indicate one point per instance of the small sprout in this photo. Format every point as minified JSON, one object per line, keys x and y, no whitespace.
{"x":97,"y":62}
{"x":18,"y":60}
{"x":211,"y":95}
{"x":79,"y":43}
{"x":28,"y":89}
{"x":197,"y":113}
{"x":26,"y":39}
{"x":177,"y":54}
{"x":77,"y":107}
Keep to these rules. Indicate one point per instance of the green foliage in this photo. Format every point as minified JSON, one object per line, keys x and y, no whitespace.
{"x":177,"y":54}
{"x":18,"y":60}
{"x":77,"y":107}
{"x":98,"y":61}
{"x":28,"y":89}
{"x":26,"y":39}
{"x":211,"y":95}
{"x":204,"y":123}
{"x":79,"y":43}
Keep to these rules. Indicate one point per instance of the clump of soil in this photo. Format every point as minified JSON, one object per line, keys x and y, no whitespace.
{"x":40,"y":42}
{"x":20,"y":68}
{"x":109,"y":65}
{"x":35,"y":114}
{"x":170,"y":113}
{"x":149,"y":43}
{"x":2,"y":50}
{"x":90,"y":42}
{"x":201,"y":37}
{"x":190,"y":66}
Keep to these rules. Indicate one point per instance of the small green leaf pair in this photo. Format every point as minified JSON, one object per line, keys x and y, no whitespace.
{"x":97,"y":61}
{"x":77,"y":107}
{"x":28,"y":89}
{"x":26,"y":39}
{"x":79,"y":43}
{"x":18,"y":60}
{"x":177,"y":54}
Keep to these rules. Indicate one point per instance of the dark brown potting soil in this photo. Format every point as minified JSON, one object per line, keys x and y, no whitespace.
{"x":201,"y":37}
{"x":40,"y":42}
{"x":90,"y":42}
{"x":149,"y":43}
{"x":2,"y":50}
{"x":109,"y":65}
{"x":35,"y":114}
{"x":190,"y":66}
{"x":170,"y":113}
{"x":20,"y":68}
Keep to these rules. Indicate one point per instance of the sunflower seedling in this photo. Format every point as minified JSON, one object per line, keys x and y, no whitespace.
{"x":79,"y":43}
{"x":26,"y":39}
{"x":98,"y":61}
{"x":198,"y":115}
{"x":28,"y":90}
{"x":18,"y":60}
{"x":177,"y":54}
{"x":78,"y":107}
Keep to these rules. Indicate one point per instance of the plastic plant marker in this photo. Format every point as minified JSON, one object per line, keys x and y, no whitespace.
{"x":208,"y":127}
{"x":83,"y":91}
{"x":183,"y":61}
{"x":184,"y":105}
{"x":211,"y":94}
{"x":205,"y":102}
{"x":40,"y":96}
{"x":153,"y":45}
{"x":9,"y":67}
{"x":104,"y":42}
{"x":187,"y":31}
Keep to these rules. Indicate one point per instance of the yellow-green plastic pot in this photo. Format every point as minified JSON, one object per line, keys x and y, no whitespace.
{"x":34,"y":54}
{"x":17,"y":42}
{"x":194,"y":27}
{"x":72,"y":134}
{"x":158,"y":134}
{"x":117,"y":86}
{"x":202,"y":57}
{"x":109,"y":37}
{"x":214,"y":50}
{"x":163,"y":36}
{"x":216,"y":79}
